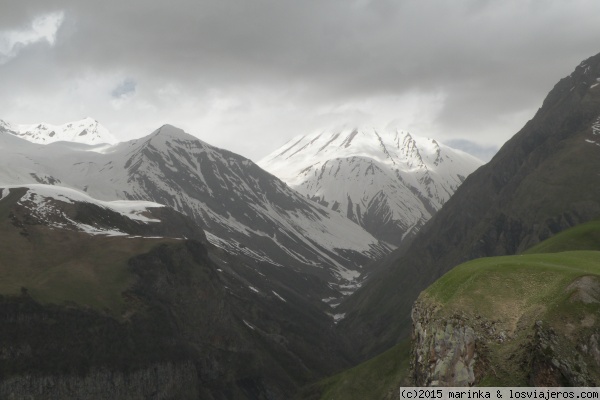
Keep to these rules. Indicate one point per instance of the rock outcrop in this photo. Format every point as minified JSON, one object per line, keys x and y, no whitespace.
{"x":444,"y":350}
{"x":461,"y":349}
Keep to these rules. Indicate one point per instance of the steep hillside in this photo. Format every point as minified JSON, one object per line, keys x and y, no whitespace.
{"x":387,"y":181}
{"x":378,"y":378}
{"x":540,"y":183}
{"x":525,"y":320}
{"x":109,"y":300}
{"x":508,"y":321}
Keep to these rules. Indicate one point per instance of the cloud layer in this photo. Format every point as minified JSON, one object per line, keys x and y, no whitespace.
{"x":249,"y":75}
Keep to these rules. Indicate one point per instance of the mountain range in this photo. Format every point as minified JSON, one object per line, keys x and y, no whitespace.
{"x":242,"y":271}
{"x":243,"y":209}
{"x":388,"y":181}
{"x":164,"y":267}
{"x":87,"y":131}
{"x":127,"y":299}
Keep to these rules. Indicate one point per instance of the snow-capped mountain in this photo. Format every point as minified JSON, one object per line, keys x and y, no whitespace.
{"x":388,"y":181}
{"x":87,"y":131}
{"x":242,"y":208}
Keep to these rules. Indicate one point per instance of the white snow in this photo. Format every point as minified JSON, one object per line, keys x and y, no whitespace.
{"x":38,"y":195}
{"x":87,"y":131}
{"x":278,"y":296}
{"x":131,"y":209}
{"x":249,"y":325}
{"x":401,"y":174}
{"x":595,"y":132}
{"x":5,"y":193}
{"x":254,"y":289}
{"x":338,"y":317}
{"x":594,"y":85}
{"x":91,"y":230}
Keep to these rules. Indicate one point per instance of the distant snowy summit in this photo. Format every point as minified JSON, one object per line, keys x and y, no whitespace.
{"x":386,"y":180}
{"x":86,"y":131}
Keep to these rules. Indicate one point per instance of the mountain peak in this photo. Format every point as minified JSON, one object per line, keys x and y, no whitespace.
{"x":86,"y":131}
{"x":170,"y":131}
{"x":386,"y":180}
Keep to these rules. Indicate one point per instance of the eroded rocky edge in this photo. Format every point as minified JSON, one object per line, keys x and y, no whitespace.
{"x":457,"y":349}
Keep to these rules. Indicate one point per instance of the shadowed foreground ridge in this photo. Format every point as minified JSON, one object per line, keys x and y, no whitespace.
{"x":133,"y":315}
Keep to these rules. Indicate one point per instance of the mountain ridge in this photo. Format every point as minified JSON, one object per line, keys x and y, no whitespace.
{"x":86,"y":131}
{"x":242,"y":208}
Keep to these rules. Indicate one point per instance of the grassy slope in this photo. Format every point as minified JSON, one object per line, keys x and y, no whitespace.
{"x":582,"y":237}
{"x":378,"y":378}
{"x":514,"y":290}
{"x":57,"y":266}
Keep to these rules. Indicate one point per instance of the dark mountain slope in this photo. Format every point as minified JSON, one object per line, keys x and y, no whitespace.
{"x":542,"y":181}
{"x":96,"y":303}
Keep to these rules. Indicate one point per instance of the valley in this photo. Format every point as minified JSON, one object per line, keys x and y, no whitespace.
{"x":356,"y":261}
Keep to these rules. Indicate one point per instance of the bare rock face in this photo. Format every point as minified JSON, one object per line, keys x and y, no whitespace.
{"x":444,"y":350}
{"x":452,"y":349}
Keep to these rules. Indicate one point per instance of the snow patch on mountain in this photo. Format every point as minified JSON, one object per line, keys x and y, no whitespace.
{"x":134,"y":210}
{"x":278,"y":296}
{"x":595,"y":132}
{"x":40,"y":201}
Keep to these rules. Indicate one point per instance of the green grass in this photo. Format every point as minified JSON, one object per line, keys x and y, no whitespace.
{"x":514,"y":292}
{"x":58,"y":266}
{"x":377,"y":378}
{"x":582,"y":237}
{"x":522,"y":280}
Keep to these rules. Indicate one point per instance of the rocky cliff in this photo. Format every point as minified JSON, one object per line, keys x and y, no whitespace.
{"x":526,"y":320}
{"x":444,"y":350}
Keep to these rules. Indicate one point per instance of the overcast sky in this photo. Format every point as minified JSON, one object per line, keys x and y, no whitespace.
{"x":248,"y":75}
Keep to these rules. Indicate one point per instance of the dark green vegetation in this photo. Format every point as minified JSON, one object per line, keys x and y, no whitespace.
{"x":582,"y":237}
{"x":543,"y":181}
{"x":378,"y":378}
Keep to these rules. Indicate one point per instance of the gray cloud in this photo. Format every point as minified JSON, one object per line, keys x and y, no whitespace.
{"x":484,"y":153}
{"x":249,"y":75}
{"x":125,"y":88}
